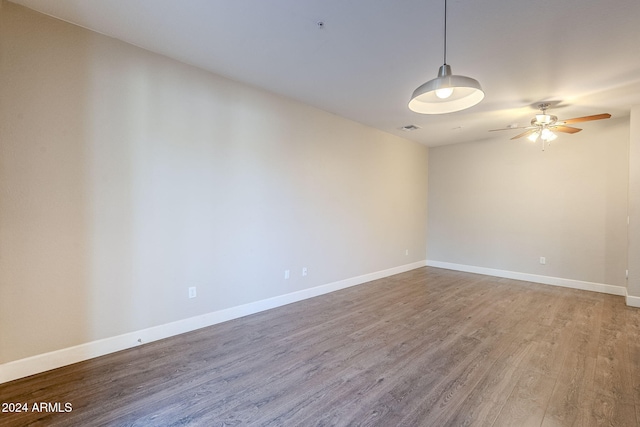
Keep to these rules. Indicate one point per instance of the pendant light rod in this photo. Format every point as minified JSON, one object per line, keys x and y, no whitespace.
{"x":445,"y":33}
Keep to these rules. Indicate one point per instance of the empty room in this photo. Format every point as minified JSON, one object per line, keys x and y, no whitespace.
{"x":305,"y":213}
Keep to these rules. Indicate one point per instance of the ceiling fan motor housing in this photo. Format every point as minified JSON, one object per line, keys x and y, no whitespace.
{"x":544,"y":120}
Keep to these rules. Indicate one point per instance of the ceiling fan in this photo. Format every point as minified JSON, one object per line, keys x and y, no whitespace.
{"x":544,"y":125}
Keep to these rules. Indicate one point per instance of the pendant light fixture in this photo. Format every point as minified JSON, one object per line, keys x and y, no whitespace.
{"x":446,"y":93}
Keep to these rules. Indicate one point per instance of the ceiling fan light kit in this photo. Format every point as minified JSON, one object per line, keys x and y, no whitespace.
{"x":446,"y":93}
{"x":545,"y":135}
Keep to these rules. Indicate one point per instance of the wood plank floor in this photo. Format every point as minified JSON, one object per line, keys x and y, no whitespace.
{"x":429,"y":347}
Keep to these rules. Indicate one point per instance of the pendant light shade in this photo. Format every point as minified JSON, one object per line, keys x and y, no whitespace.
{"x":447,"y":92}
{"x":431,"y":98}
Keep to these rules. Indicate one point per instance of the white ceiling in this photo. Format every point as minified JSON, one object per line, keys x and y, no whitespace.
{"x":364,"y":63}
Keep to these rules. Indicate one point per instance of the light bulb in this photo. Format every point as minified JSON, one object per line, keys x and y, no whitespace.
{"x":534,"y":136}
{"x":547,"y":135}
{"x":444,"y":92}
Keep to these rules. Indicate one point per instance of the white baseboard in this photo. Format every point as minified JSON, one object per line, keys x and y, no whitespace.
{"x":66,"y":356}
{"x":633,"y":301}
{"x":546,"y":280}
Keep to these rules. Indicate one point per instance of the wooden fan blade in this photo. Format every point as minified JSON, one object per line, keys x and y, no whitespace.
{"x":565,"y":129}
{"x":585,"y":119}
{"x":521,"y":127}
{"x":526,"y":133}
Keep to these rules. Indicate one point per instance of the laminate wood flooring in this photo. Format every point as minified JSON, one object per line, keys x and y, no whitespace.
{"x":429,"y":347}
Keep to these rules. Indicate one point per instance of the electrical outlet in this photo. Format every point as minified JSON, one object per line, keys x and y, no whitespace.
{"x":406,"y":252}
{"x":543,"y":260}
{"x":286,"y":274}
{"x":304,"y":271}
{"x":192,"y":292}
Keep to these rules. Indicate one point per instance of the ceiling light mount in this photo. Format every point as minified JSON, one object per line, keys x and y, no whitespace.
{"x":447,"y":92}
{"x":544,"y":119}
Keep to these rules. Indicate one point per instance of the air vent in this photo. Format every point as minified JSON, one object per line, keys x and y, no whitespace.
{"x":409,"y":128}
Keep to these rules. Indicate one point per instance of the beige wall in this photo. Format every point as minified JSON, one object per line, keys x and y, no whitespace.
{"x":503,"y":204}
{"x":126,"y":177}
